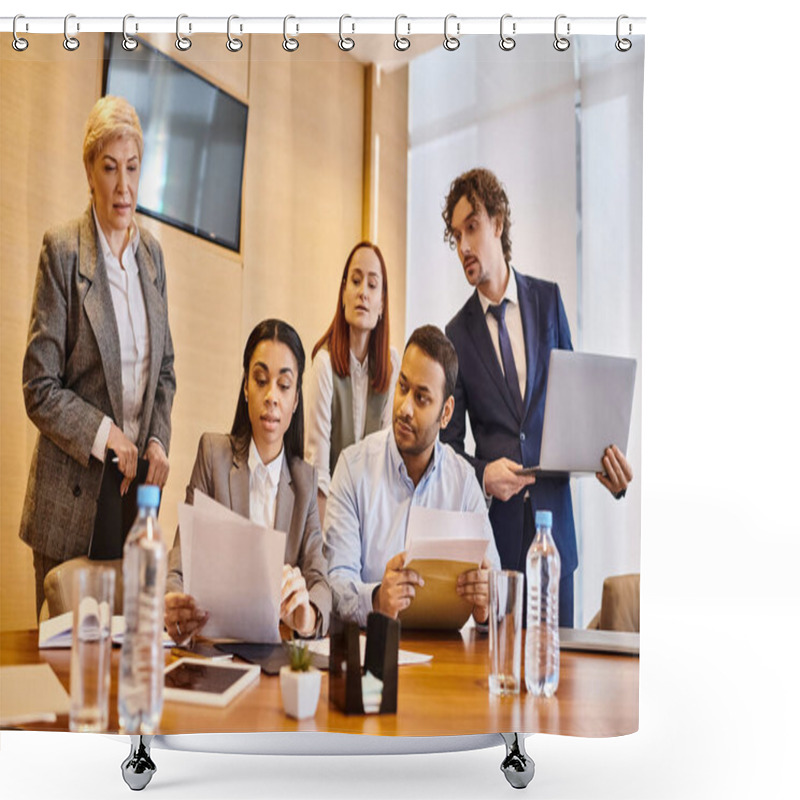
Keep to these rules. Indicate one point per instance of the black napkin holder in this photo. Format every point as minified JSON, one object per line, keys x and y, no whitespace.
{"x":380,"y":658}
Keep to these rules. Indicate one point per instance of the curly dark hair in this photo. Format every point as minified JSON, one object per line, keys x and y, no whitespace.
{"x":479,"y":186}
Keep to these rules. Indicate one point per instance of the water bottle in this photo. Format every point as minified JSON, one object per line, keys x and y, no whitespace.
{"x":141,"y":666}
{"x":543,"y":570}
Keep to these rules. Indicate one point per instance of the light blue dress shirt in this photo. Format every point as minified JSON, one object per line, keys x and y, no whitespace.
{"x":367,"y":513}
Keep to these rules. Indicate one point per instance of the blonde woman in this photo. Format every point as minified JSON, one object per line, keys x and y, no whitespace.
{"x":98,"y":369}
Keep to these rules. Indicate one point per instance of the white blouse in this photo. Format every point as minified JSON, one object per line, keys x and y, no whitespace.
{"x":264,"y":480}
{"x":134,"y":336}
{"x":318,"y":400}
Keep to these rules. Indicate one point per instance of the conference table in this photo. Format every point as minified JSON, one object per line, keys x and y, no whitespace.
{"x":598,"y":695}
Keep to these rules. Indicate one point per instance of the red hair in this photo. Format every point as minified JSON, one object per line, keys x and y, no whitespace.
{"x":337,"y":337}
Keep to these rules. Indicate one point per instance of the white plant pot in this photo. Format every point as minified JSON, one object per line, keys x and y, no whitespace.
{"x":300,"y":692}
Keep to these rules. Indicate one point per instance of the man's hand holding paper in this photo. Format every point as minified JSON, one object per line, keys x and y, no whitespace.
{"x":473,"y":586}
{"x":396,"y":590}
{"x":447,"y":550}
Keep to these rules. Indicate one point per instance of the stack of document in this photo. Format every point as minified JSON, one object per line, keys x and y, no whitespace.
{"x":233,"y":568}
{"x":56,"y":632}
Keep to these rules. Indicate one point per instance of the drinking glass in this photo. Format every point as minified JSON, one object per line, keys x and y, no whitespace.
{"x":90,"y":666}
{"x":505,"y":631}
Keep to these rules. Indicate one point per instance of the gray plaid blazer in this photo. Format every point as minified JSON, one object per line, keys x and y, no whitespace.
{"x":71,"y":378}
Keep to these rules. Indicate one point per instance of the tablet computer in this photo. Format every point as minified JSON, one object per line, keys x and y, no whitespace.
{"x":209,"y":683}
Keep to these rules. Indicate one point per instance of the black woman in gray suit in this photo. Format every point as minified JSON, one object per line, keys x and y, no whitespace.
{"x":257,"y":470}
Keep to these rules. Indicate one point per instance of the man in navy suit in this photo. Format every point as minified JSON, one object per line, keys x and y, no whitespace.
{"x":503,"y":336}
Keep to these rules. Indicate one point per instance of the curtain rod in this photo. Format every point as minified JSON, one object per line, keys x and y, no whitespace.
{"x":349,"y":25}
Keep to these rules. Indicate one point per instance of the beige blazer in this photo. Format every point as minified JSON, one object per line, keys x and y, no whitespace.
{"x":223,"y":475}
{"x":71,"y":378}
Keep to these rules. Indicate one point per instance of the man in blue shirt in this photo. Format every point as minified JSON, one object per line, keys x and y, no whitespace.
{"x":376,"y":482}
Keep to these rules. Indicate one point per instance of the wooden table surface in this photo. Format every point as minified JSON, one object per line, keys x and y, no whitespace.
{"x":598,"y":695}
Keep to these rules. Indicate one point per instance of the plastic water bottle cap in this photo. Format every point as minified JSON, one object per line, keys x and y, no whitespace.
{"x":148,"y":496}
{"x":544,"y":519}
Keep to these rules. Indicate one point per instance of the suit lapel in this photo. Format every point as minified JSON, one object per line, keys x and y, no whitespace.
{"x":284,"y":504}
{"x":479,"y":331}
{"x":239,"y":486}
{"x":99,"y":308}
{"x":156,"y":323}
{"x":529,"y":311}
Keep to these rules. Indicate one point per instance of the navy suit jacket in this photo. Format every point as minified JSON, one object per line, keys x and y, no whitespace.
{"x":481,"y":392}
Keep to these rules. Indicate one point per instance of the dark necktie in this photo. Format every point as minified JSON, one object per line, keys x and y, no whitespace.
{"x":510,"y":369}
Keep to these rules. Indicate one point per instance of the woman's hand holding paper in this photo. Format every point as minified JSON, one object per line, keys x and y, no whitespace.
{"x":182,"y":618}
{"x":296,"y":609}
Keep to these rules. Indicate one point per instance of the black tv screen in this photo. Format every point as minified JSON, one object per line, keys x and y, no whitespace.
{"x":194,"y":139}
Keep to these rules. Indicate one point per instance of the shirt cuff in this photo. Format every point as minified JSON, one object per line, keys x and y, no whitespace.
{"x":156,"y":439}
{"x":365,"y":608}
{"x":101,"y":439}
{"x":324,"y":481}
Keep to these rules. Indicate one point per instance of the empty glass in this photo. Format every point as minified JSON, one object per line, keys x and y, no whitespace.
{"x":90,"y":668}
{"x":505,"y":631}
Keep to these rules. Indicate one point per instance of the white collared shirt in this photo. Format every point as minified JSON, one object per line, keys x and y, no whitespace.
{"x":134,"y":335}
{"x":264,"y":480}
{"x":514,"y":325}
{"x":318,"y":391}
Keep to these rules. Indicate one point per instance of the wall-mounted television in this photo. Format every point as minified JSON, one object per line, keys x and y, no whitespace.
{"x":194,"y":140}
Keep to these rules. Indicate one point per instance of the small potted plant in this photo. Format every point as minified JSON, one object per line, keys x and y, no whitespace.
{"x":300,"y":683}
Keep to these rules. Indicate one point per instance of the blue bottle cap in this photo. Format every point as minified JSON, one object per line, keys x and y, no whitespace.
{"x":148,"y":496}
{"x":544,"y":519}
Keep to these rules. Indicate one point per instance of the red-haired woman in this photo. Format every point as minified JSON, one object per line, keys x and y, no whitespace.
{"x":354,"y":370}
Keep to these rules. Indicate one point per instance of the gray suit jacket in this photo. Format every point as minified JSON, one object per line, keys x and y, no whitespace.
{"x":223,"y":475}
{"x":71,"y":378}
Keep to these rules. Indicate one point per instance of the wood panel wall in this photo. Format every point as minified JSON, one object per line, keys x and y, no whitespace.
{"x":302,"y":212}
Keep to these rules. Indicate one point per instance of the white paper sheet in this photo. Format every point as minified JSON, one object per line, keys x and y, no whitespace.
{"x":445,"y":535}
{"x":233,"y":569}
{"x":30,"y":693}
{"x":323,"y":647}
{"x":55,"y":633}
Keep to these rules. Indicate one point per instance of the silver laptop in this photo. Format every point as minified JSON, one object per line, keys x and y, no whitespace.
{"x":587,"y":408}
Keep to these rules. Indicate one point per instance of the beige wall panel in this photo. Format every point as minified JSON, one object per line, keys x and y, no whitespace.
{"x":45,"y":96}
{"x":390,"y":123}
{"x":304,"y":181}
{"x":204,"y":284}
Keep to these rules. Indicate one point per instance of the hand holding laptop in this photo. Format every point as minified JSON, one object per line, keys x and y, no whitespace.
{"x":504,"y":478}
{"x":618,"y":472}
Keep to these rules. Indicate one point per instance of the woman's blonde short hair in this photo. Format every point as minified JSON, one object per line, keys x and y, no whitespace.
{"x":110,"y":118}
